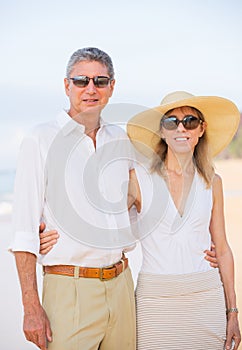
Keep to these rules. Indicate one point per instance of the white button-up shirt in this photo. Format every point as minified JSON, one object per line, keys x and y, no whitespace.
{"x":75,"y":188}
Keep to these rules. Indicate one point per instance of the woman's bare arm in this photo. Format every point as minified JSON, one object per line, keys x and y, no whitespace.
{"x":225,"y":261}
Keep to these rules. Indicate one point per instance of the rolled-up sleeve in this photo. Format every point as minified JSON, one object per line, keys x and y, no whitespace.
{"x":28,"y":197}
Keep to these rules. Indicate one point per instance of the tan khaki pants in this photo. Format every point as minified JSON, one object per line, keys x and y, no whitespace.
{"x":89,"y":314}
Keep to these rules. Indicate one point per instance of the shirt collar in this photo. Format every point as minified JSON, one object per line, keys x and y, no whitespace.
{"x":67,"y":124}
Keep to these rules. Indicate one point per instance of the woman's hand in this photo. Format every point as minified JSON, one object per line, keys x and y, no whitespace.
{"x":47,"y":239}
{"x":211,"y":256}
{"x":233,"y":332}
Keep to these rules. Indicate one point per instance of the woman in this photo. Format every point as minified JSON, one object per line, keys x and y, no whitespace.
{"x":180,"y":297}
{"x":181,"y":301}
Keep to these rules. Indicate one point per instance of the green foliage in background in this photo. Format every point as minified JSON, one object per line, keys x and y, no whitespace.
{"x":234,"y":149}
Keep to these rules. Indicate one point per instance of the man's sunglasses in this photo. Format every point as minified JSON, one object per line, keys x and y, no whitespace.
{"x":190,"y":122}
{"x":99,"y":81}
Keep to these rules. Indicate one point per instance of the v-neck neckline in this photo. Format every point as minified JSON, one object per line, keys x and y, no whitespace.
{"x":178,"y":213}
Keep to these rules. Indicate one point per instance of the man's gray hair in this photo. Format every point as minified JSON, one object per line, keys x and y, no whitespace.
{"x":90,"y":54}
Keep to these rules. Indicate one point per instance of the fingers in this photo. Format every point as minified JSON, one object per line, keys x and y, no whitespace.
{"x":233,"y":337}
{"x":47,"y":241}
{"x":48,"y":236}
{"x":210,"y":253}
{"x":48,"y":332}
{"x":211,"y":257}
{"x":232,"y":344}
{"x":236,"y":341}
{"x":43,"y":344}
{"x":215,"y":265}
{"x":42,"y":227}
{"x":47,"y":246}
{"x":46,"y":250}
{"x":212,"y":247}
{"x":38,"y":339}
{"x":228,"y":344}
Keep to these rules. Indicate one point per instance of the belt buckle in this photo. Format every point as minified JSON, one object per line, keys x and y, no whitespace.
{"x":101,"y":274}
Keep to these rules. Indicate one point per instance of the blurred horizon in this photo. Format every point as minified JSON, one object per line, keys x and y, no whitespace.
{"x":156,"y":47}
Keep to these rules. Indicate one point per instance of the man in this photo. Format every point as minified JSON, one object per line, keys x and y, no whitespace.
{"x":88,"y":297}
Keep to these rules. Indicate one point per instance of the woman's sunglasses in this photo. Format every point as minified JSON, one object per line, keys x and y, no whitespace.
{"x":190,"y":122}
{"x":82,"y":81}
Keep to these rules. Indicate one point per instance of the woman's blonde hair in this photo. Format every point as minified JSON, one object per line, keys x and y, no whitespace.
{"x":201,"y":155}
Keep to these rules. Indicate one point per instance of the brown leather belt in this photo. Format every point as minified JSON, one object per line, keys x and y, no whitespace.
{"x":103,"y":273}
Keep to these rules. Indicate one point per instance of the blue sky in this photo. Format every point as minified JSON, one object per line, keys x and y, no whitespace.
{"x":157,"y":47}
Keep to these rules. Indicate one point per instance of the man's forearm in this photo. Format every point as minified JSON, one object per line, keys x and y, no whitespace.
{"x":26,"y":266}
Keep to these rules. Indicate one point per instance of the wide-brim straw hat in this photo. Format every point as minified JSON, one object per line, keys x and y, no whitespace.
{"x":222,"y":117}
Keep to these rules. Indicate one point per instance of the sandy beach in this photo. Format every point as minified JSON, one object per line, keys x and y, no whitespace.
{"x":11,"y":336}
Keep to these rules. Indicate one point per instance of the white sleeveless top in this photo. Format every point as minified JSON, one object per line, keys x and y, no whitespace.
{"x":171,"y":243}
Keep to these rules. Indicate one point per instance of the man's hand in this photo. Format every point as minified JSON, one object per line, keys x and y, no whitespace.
{"x":211,"y":256}
{"x":47,"y":239}
{"x":37,"y":327}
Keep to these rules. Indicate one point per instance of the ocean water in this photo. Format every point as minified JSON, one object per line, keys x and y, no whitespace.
{"x":6,"y":191}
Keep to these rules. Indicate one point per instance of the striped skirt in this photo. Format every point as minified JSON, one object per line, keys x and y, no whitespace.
{"x":176,"y":312}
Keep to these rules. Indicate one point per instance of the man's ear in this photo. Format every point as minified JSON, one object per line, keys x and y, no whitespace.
{"x":67,"y":86}
{"x":112,"y":84}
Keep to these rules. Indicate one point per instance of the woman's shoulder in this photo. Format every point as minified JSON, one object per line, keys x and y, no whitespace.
{"x":217,"y":185}
{"x":217,"y":180}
